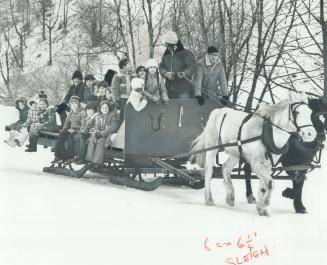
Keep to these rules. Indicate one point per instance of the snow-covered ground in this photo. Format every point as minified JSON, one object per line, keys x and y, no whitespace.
{"x":47,"y":219}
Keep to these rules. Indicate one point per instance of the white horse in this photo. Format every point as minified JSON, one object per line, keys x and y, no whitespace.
{"x":287,"y":116}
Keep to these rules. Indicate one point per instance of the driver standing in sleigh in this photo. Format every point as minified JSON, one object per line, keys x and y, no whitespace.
{"x":210,"y":79}
{"x":177,"y":67}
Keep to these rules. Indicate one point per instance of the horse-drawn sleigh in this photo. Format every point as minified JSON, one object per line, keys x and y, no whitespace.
{"x":159,"y":137}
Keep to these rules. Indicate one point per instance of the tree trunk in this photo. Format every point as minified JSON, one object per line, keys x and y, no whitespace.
{"x":50,"y":46}
{"x":324,"y":37}
{"x":131,"y":33}
{"x":258,"y":57}
{"x":43,"y":20}
{"x":203,"y":25}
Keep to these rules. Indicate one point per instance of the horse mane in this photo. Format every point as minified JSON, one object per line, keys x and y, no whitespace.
{"x":268,"y":110}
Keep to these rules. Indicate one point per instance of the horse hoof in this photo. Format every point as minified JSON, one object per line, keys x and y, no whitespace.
{"x":210,"y":203}
{"x":262,"y":211}
{"x":251,"y":199}
{"x":230,"y":200}
{"x":300,"y":208}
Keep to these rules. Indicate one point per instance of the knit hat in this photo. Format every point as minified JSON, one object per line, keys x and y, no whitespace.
{"x":137,"y":83}
{"x":42,"y":95}
{"x":77,"y":74}
{"x":89,"y":77}
{"x":92,"y":105}
{"x":171,"y":37}
{"x":151,"y":63}
{"x":212,"y":49}
{"x":75,"y":98}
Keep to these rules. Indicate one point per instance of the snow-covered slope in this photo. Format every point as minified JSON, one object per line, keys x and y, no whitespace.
{"x":51,"y":220}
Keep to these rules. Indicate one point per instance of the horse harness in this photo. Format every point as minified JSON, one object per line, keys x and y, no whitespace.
{"x":267,"y":136}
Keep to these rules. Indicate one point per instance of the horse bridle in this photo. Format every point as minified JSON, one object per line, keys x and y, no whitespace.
{"x":293,"y":113}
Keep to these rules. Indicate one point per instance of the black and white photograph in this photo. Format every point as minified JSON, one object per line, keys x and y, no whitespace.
{"x":149,"y":132}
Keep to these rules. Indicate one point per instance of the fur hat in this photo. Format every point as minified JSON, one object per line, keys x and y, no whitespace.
{"x":171,"y":37}
{"x":89,"y":77}
{"x":92,"y":105}
{"x":75,"y":98}
{"x":212,"y":49}
{"x":77,"y":74}
{"x":151,"y":63}
{"x":137,"y":83}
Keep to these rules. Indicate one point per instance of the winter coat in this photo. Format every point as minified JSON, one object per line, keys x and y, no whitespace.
{"x":75,"y":120}
{"x":210,"y":77}
{"x":121,"y":86}
{"x":107,"y":124}
{"x":88,"y":94}
{"x":75,"y":91}
{"x":181,"y":60}
{"x":48,"y":119}
{"x":90,"y":123}
{"x":22,"y":115}
{"x":155,"y":84}
{"x":33,"y":116}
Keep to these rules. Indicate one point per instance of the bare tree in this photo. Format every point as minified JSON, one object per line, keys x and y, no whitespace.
{"x":51,"y":21}
{"x":154,"y":22}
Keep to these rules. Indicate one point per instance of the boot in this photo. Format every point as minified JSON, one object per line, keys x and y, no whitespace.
{"x":297,"y":203}
{"x":33,"y":144}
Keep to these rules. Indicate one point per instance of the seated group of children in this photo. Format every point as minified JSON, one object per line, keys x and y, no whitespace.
{"x":85,"y":133}
{"x":34,"y":116}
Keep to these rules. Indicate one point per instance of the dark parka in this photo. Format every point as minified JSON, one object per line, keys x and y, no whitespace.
{"x":181,"y":60}
{"x":79,"y":91}
{"x":22,"y":115}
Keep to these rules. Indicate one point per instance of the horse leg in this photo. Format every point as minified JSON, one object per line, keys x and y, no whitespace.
{"x":263,"y":171}
{"x":210,"y":159}
{"x":249,"y":194}
{"x":227,"y":170}
{"x":297,"y":188}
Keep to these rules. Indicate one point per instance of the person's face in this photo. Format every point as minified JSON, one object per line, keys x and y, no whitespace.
{"x":76,"y":81}
{"x":141,"y":73}
{"x":102,"y":90}
{"x":34,"y":105}
{"x":89,"y":83}
{"x":90,"y":112}
{"x":152,"y":70}
{"x":43,"y":105}
{"x":129,"y":67}
{"x":104,"y":109}
{"x":74,"y":105}
{"x":213,"y":57}
{"x":21,"y":105}
{"x":170,"y":47}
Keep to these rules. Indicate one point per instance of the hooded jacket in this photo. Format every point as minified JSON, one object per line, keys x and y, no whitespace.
{"x":210,"y":77}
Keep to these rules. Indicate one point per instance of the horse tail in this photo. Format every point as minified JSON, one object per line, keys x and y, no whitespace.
{"x":206,"y":139}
